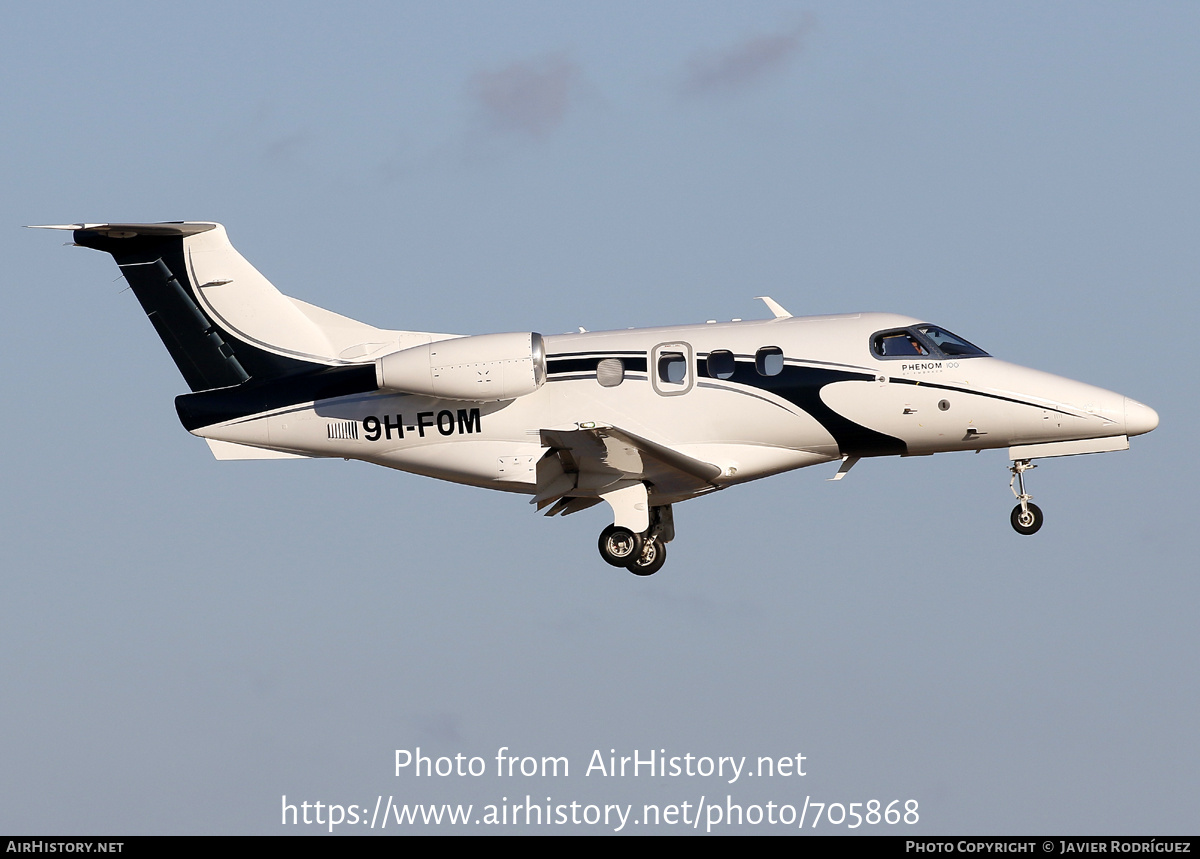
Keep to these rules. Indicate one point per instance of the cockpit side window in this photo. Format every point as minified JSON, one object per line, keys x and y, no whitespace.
{"x":949,"y":344}
{"x":897,"y":344}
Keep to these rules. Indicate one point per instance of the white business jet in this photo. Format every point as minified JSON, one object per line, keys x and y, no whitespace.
{"x":639,"y":419}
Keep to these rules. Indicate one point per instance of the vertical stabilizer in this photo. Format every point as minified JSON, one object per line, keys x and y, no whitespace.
{"x":154,"y":259}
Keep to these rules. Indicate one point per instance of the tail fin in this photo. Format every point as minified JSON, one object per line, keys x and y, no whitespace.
{"x":158,"y":260}
{"x":242,"y":346}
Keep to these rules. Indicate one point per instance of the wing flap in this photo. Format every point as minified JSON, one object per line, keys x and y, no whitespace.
{"x":582,"y":463}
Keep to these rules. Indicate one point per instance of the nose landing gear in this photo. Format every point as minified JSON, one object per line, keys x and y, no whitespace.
{"x":1026,"y":517}
{"x":1026,"y":521}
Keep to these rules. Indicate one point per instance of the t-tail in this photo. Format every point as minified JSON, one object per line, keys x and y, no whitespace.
{"x":243,"y":347}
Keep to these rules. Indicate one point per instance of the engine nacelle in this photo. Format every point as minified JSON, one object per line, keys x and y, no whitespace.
{"x":485,"y":368}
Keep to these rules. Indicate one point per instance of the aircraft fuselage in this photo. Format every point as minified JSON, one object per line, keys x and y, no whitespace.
{"x":826,"y":396}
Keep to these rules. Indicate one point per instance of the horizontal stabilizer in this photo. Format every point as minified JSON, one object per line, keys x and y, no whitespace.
{"x":128,"y":231}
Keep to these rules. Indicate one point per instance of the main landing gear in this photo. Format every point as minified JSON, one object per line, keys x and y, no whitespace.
{"x":1026,"y":517}
{"x":642,"y":554}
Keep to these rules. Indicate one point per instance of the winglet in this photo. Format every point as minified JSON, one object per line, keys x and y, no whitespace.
{"x":774,"y":306}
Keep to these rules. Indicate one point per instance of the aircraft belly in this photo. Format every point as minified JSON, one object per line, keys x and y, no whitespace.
{"x":301,"y":431}
{"x":744,"y":462}
{"x":492,"y":445}
{"x":502,"y":465}
{"x":252,"y":432}
{"x":1032,"y":425}
{"x":475,"y":443}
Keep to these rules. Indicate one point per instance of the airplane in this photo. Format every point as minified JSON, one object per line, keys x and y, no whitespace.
{"x":639,"y":419}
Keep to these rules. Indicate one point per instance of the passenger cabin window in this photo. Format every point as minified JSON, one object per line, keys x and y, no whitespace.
{"x":672,"y":363}
{"x":769,"y":361}
{"x":672,"y":368}
{"x":721,"y":364}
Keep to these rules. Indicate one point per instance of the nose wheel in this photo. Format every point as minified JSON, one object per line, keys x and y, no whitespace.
{"x":1026,"y":517}
{"x":1026,"y":520}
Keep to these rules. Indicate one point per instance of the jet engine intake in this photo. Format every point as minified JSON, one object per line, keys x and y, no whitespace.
{"x":483,"y":368}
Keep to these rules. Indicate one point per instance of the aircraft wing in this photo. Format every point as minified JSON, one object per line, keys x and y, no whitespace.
{"x":591,"y":460}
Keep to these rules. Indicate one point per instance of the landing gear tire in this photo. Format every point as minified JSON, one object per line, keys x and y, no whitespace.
{"x":650,"y":560}
{"x":619,"y":546}
{"x":1026,"y":522}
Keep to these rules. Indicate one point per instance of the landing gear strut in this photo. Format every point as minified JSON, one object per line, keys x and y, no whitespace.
{"x":642,"y":554}
{"x":1026,"y":517}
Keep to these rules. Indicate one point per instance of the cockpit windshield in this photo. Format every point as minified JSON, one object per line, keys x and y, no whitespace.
{"x":923,"y":340}
{"x":948,"y":344}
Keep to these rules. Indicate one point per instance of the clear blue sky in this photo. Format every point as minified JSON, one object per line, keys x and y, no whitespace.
{"x":185,"y":641}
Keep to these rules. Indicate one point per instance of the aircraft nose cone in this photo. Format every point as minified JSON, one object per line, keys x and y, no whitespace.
{"x":1139,"y":418}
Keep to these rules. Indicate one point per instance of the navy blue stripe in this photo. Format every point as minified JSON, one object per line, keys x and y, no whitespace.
{"x":555,"y":365}
{"x":206,"y":408}
{"x":604,"y":353}
{"x":802,"y":386}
